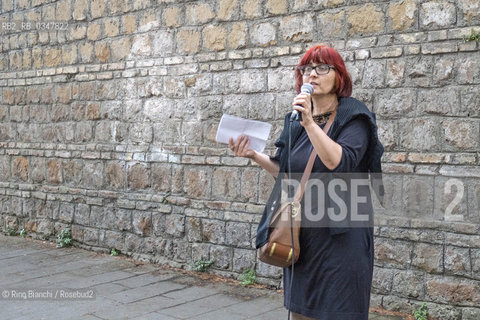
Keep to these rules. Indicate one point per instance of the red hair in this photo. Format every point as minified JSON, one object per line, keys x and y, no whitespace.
{"x":325,"y":54}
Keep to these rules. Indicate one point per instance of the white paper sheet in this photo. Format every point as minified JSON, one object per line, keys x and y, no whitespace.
{"x":233,"y":127}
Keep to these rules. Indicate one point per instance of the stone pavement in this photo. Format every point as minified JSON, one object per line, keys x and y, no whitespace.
{"x":73,"y":283}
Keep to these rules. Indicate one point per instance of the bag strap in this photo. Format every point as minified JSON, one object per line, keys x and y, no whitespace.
{"x":308,"y":169}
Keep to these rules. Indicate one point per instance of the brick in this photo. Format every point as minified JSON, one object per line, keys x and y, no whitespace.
{"x":174,"y":88}
{"x":391,"y":52}
{"x":20,"y":168}
{"x":395,"y":73}
{"x":175,"y":225}
{"x":213,"y":231}
{"x":37,"y":172}
{"x":276,"y":6}
{"x":297,"y":28}
{"x":114,"y":177}
{"x":445,"y":291}
{"x":365,"y":20}
{"x":263,"y":34}
{"x":252,"y":81}
{"x":402,"y":14}
{"x":63,"y":95}
{"x":111,"y":27}
{"x":138,"y":176}
{"x":443,"y":102}
{"x":395,"y":103}
{"x":102,"y":51}
{"x":82,"y":214}
{"x":438,"y":13}
{"x":266,"y":270}
{"x":192,"y":131}
{"x":198,"y":14}
{"x":142,"y":223}
{"x":163,"y":43}
{"x":214,"y":37}
{"x":469,"y":10}
{"x":72,"y":172}
{"x":438,"y":311}
{"x":80,"y":9}
{"x":390,"y":253}
{"x":63,"y":8}
{"x":443,"y":70}
{"x":387,"y":133}
{"x":54,"y":172}
{"x":52,"y":57}
{"x":382,"y":280}
{"x":252,"y":9}
{"x":97,"y":8}
{"x":238,"y":234}
{"x":409,"y":284}
{"x":237,"y":38}
{"x":66,"y":212}
{"x":418,"y":196}
{"x":373,"y":75}
{"x":468,"y":46}
{"x":132,"y":242}
{"x":118,"y":6}
{"x":419,"y":71}
{"x":428,"y":257}
{"x":168,"y":131}
{"x":105,"y":90}
{"x":225,"y":184}
{"x":441,"y":47}
{"x":85,"y":51}
{"x":16,"y":60}
{"x":92,"y":174}
{"x":243,"y":259}
{"x":470,"y":313}
{"x":128,"y":24}
{"x":197,"y":182}
{"x":412,"y":50}
{"x":94,"y":31}
{"x":461,"y":134}
{"x":227,"y":9}
{"x":172,"y":17}
{"x":457,"y":261}
{"x":332,"y":25}
{"x":188,"y":40}
{"x":222,"y":257}
{"x":475,"y":262}
{"x":468,"y":71}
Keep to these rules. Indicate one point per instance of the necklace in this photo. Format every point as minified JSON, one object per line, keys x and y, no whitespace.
{"x":323,"y":117}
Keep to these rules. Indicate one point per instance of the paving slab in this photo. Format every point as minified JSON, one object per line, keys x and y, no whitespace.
{"x":121,"y":288}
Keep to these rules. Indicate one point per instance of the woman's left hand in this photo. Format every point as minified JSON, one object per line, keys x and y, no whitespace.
{"x":303,"y":104}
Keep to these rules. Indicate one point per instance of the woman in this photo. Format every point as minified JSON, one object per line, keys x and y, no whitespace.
{"x":333,"y":275}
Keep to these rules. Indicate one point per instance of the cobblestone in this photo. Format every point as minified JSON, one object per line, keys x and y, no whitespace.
{"x":123,"y":288}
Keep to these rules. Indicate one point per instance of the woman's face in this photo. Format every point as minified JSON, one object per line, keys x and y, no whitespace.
{"x":323,"y":84}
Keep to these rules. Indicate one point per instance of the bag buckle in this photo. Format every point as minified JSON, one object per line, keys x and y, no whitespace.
{"x":272,"y":249}
{"x":290,"y":255}
{"x":295,"y":209}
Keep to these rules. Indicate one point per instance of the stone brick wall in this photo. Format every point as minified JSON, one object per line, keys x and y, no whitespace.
{"x":107,"y":126}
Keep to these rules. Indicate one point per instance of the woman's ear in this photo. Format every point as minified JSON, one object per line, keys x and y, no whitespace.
{"x":334,"y":89}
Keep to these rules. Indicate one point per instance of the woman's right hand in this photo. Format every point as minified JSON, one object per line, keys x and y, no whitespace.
{"x":240,"y":147}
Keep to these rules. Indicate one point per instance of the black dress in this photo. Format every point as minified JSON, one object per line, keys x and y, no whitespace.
{"x":333,"y":275}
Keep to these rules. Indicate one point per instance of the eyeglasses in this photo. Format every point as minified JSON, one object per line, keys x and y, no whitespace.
{"x":319,"y":69}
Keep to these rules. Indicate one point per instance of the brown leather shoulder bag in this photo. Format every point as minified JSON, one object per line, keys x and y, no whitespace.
{"x":279,"y":250}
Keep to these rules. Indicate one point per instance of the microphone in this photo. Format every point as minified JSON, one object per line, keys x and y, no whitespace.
{"x":306,"y":88}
